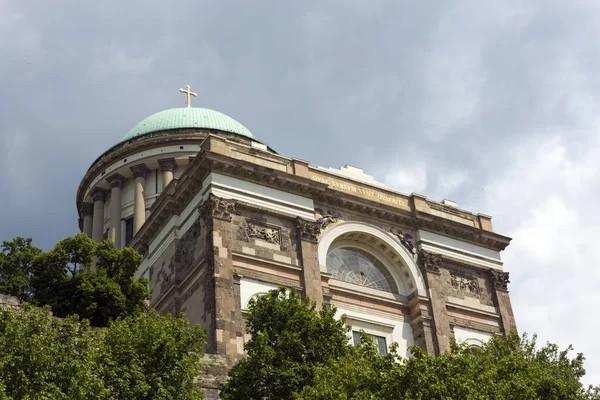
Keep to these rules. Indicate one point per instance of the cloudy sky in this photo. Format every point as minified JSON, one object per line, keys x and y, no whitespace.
{"x":492,"y":104}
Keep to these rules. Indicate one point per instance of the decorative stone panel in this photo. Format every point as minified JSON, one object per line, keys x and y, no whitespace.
{"x":257,"y":229}
{"x":500,"y":279}
{"x":430,"y":262}
{"x":406,"y":239}
{"x":465,"y":284}
{"x":218,"y":207}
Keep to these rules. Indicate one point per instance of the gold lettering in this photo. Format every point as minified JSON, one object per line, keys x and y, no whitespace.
{"x":347,"y":187}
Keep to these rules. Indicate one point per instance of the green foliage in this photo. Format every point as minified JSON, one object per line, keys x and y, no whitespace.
{"x":360,"y":374}
{"x":290,"y":341}
{"x":140,"y":357}
{"x":297,"y":352}
{"x":505,"y":368}
{"x":152,"y":357}
{"x":56,"y":278}
{"x":42,"y":357}
{"x":16,"y":260}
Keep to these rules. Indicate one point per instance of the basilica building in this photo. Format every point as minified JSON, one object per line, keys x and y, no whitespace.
{"x":220,"y":217}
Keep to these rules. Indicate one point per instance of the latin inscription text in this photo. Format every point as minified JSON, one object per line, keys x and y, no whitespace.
{"x":360,"y":191}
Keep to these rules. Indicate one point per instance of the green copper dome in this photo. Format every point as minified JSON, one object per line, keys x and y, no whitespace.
{"x":178,"y":118}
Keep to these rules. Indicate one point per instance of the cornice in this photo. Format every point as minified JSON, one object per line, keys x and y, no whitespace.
{"x":415,"y":220}
{"x":178,"y":194}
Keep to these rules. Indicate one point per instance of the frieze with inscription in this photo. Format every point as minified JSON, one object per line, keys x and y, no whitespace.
{"x":362,"y":191}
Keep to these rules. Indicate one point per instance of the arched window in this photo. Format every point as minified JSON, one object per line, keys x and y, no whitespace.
{"x":354,"y":265}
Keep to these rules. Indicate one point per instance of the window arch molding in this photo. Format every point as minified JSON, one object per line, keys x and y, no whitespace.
{"x":472,"y":342}
{"x":405,"y":264}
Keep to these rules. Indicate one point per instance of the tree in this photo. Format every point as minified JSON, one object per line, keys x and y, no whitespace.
{"x":297,"y":352}
{"x":361,"y":373}
{"x":56,"y":278}
{"x":139,"y":357}
{"x":16,"y":260}
{"x":290,"y":341}
{"x":505,"y":368}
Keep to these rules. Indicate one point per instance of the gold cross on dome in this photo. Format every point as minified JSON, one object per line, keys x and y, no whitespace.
{"x":189,"y":93}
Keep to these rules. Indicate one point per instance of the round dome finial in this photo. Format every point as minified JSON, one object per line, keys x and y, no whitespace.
{"x":189,"y":93}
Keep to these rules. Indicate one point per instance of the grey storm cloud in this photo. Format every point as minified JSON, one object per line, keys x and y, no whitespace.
{"x":491,"y":104}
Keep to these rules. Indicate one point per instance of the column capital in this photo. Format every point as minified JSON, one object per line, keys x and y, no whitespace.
{"x":98,"y":194}
{"x":430,"y":262}
{"x":500,"y":279}
{"x":217,"y":207}
{"x":87,"y":209}
{"x":116,"y":180}
{"x":140,"y":170}
{"x":167,"y":164}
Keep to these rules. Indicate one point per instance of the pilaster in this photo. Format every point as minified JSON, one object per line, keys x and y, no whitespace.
{"x":500,"y":281}
{"x":430,"y":265}
{"x":422,"y":325}
{"x":308,"y":235}
{"x":220,"y":295}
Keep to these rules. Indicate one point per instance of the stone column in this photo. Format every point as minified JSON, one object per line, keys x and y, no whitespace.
{"x":500,"y":283}
{"x":167,"y":166}
{"x":116,"y":182}
{"x":430,"y":267}
{"x":308,"y":234}
{"x":87,"y":209}
{"x":139,"y":205}
{"x":98,"y":195}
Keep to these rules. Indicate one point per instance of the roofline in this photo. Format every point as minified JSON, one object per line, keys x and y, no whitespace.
{"x":149,"y":134}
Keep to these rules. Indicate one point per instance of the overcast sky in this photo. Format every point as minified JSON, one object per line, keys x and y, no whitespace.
{"x":493,"y":104}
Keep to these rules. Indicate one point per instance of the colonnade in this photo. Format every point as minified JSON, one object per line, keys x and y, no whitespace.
{"x":93,"y":213}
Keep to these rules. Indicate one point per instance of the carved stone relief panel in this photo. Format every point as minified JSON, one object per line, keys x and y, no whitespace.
{"x":191,"y":248}
{"x":465,"y":284}
{"x":253,"y":228}
{"x":463,"y":281}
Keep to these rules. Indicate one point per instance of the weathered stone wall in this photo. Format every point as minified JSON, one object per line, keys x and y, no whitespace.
{"x":214,"y":369}
{"x":9,"y":302}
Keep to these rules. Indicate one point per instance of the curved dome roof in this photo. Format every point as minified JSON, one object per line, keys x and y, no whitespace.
{"x":178,"y":118}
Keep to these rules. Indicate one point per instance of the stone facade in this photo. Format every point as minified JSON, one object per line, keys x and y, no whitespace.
{"x":242,"y":220}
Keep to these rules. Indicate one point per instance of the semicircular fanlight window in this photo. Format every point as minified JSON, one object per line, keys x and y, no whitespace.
{"x":359,"y":267}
